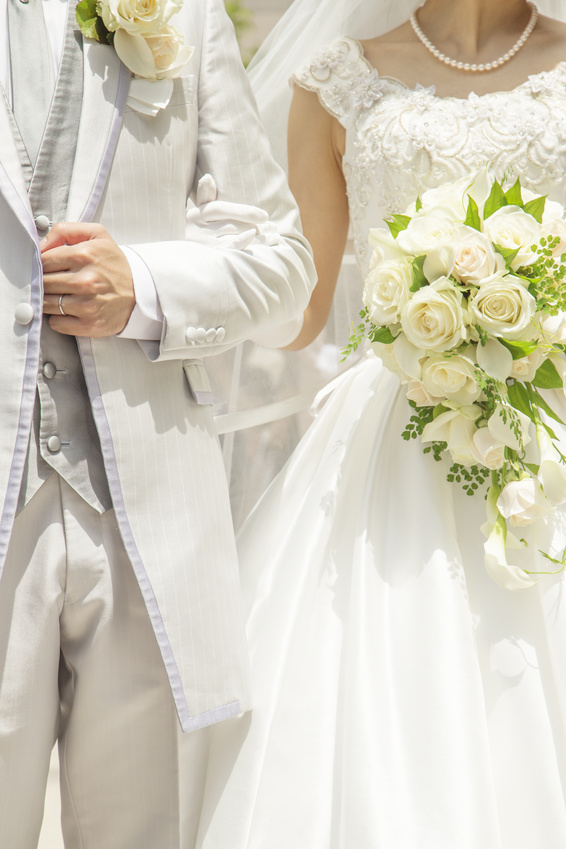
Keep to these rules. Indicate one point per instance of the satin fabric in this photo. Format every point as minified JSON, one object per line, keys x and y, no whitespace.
{"x":402,"y":699}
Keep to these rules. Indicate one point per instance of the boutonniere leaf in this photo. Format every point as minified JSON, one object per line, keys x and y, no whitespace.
{"x":91,"y":24}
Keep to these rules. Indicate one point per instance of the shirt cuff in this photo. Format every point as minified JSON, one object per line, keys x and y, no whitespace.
{"x":146,"y":320}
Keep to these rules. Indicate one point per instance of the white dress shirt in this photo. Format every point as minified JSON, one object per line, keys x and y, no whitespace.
{"x":146,"y":321}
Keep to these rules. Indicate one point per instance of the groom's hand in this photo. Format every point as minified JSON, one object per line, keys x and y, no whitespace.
{"x":86,"y":275}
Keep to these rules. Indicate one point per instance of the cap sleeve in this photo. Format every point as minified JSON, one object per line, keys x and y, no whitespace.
{"x":334,"y":74}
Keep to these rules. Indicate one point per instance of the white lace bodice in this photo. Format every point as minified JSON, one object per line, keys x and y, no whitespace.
{"x":400,"y":141}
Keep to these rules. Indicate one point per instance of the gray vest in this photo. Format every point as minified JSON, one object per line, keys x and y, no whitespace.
{"x":64,"y":437}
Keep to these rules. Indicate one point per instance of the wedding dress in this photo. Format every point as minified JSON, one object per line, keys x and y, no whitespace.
{"x":403,"y":700}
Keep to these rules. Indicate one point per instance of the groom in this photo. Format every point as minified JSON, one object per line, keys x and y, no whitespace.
{"x":120,"y":628}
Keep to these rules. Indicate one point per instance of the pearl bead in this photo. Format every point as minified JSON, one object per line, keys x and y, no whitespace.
{"x":466,"y":66}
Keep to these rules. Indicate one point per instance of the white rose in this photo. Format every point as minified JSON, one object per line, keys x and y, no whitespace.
{"x":137,"y":17}
{"x":521,"y":502}
{"x":512,"y":228}
{"x":456,"y":428}
{"x":426,"y":231}
{"x":551,"y":229}
{"x":417,"y":392}
{"x":489,"y":451}
{"x":153,"y":57}
{"x":525,"y":368}
{"x":554,"y":326}
{"x":434,"y":317}
{"x":452,"y":378}
{"x":503,"y":307}
{"x":384,"y":246}
{"x":552,"y":209}
{"x":386,"y":290}
{"x":474,"y":257}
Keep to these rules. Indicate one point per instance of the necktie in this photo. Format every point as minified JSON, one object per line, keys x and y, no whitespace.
{"x":31,"y":70}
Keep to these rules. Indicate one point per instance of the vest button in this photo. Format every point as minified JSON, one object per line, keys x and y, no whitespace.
{"x":49,"y":370}
{"x":24,"y":314}
{"x":42,"y":222}
{"x":54,"y":444}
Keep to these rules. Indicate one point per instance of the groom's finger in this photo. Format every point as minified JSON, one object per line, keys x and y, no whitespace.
{"x":71,"y":233}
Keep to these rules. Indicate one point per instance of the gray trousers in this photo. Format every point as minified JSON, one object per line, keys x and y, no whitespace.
{"x":79,"y":663}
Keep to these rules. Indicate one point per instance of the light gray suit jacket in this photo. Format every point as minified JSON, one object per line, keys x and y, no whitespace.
{"x":134,"y":174}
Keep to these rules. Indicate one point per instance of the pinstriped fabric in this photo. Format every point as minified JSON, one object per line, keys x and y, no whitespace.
{"x":161,"y":453}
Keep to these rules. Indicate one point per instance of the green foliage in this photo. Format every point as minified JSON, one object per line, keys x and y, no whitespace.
{"x":90,"y":24}
{"x":470,"y":478}
{"x":398,"y":223}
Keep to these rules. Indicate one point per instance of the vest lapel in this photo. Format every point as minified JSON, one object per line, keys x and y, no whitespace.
{"x":105,"y":91}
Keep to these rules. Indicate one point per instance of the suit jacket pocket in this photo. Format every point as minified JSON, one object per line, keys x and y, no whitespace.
{"x":198,"y":381}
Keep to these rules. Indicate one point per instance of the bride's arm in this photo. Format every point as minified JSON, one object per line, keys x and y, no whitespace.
{"x":316,"y":146}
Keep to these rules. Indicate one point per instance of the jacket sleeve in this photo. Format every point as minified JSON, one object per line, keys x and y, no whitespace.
{"x":212,"y":294}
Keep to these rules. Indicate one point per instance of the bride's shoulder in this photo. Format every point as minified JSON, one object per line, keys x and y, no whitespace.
{"x":332,"y":73}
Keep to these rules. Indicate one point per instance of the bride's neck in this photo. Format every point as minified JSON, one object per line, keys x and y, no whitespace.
{"x":470,"y":25}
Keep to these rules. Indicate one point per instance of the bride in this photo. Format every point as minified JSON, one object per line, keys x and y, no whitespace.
{"x":403,"y":699}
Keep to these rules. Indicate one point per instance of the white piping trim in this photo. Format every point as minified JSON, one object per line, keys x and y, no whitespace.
{"x":30,"y":369}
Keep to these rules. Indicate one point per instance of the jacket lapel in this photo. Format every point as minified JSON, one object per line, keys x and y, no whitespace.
{"x":106,"y":85}
{"x":12,"y":181}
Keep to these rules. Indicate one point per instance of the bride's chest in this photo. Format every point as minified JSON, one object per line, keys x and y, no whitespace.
{"x":402,"y":141}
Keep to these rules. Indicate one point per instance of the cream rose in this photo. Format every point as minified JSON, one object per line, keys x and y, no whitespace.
{"x":525,"y":368}
{"x":417,"y":392}
{"x":386,"y":290}
{"x":434,"y":318}
{"x":512,"y":228}
{"x":503,"y":307}
{"x":474,"y":256}
{"x":426,"y":231}
{"x":521,"y":502}
{"x":452,"y":378}
{"x":554,"y":326}
{"x":156,"y":57}
{"x":137,"y":17}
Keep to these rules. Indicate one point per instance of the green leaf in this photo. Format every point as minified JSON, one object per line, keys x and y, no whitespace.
{"x":438,"y":410}
{"x":473,"y":215}
{"x":495,"y":201}
{"x":418,"y":204}
{"x":536,"y":208}
{"x":519,"y":349}
{"x":532,"y":467}
{"x":508,"y":254}
{"x":547,"y":377}
{"x":90,"y":23}
{"x":419,"y":280}
{"x":519,"y":398}
{"x":381,"y":334}
{"x":398,"y":223}
{"x":513,"y":194}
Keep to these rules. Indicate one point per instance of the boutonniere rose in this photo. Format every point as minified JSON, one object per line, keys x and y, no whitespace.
{"x":140,"y":32}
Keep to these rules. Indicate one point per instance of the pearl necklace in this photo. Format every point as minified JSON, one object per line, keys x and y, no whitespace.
{"x":466,"y":66}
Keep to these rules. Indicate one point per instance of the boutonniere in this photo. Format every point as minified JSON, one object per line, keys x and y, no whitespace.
{"x":140,"y":32}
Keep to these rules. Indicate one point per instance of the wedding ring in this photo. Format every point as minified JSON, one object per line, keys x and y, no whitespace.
{"x":61,"y":310}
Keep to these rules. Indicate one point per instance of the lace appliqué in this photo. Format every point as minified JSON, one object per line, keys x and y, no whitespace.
{"x":401,"y":141}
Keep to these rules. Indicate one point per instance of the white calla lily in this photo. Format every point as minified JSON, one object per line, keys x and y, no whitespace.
{"x":495,"y":359}
{"x":505,"y":574}
{"x":552,"y":473}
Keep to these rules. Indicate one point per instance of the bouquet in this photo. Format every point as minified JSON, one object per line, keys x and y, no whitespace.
{"x":465,"y":301}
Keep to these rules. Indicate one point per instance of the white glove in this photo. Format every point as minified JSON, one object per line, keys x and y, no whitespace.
{"x":231,"y":225}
